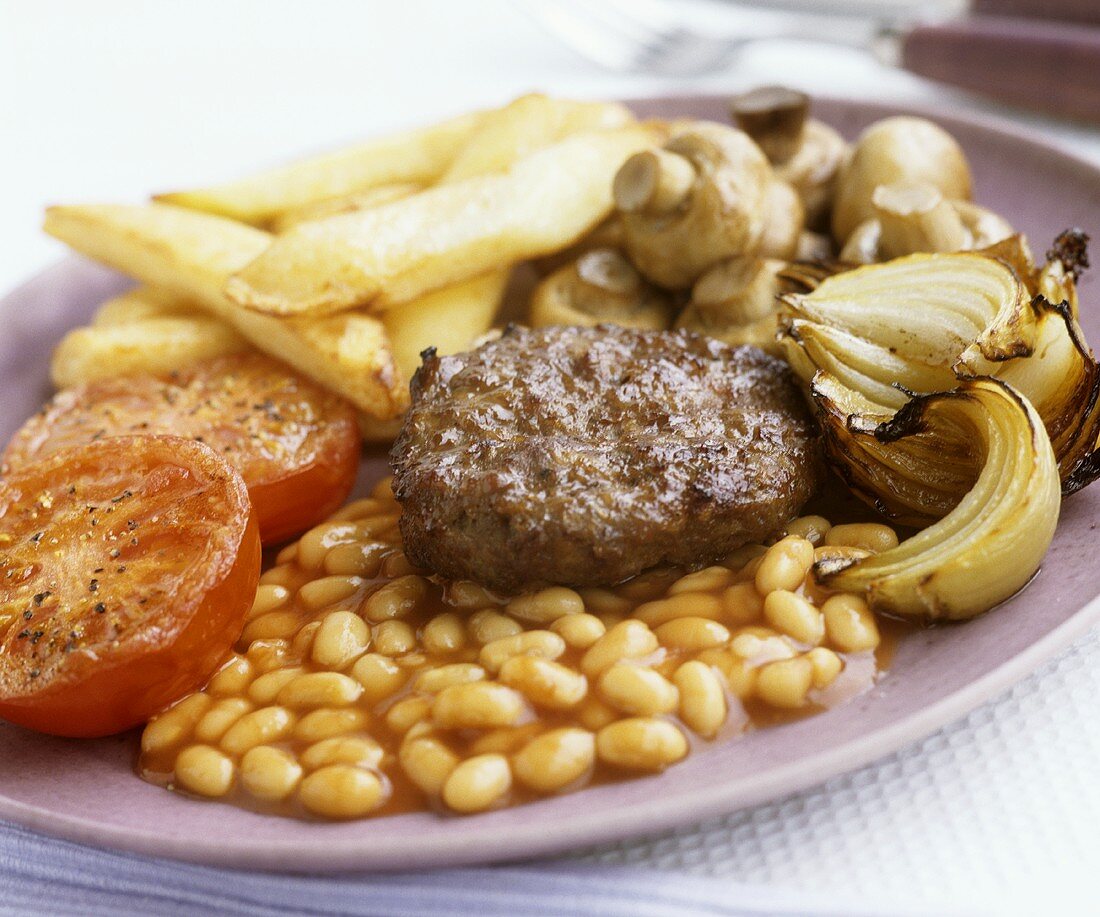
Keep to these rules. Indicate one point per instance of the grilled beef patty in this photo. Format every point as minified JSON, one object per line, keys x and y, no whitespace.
{"x":581,"y":456}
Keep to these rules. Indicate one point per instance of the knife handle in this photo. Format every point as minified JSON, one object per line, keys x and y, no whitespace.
{"x":1050,"y":66}
{"x":1087,"y":11}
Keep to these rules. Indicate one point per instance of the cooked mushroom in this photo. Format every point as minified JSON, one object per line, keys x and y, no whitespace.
{"x":735,"y":301}
{"x":600,"y":286}
{"x":695,"y":201}
{"x":774,"y":116}
{"x":915,"y":217}
{"x":785,"y":221}
{"x":805,"y":153}
{"x":893,"y":150}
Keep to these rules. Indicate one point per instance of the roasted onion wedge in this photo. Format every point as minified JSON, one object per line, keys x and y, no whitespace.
{"x":920,"y":323}
{"x":992,"y":542}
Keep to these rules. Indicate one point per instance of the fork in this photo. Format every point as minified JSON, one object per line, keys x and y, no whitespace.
{"x":1048,"y":65}
{"x":646,"y":36}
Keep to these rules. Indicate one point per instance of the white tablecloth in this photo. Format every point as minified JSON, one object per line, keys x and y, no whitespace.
{"x":108,"y":101}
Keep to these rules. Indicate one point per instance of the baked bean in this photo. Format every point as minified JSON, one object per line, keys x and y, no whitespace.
{"x":709,"y":579}
{"x":793,"y":615}
{"x":870,"y":536}
{"x":427,"y":762}
{"x":737,"y":559}
{"x":488,"y":625}
{"x":702,"y":703}
{"x":467,"y":595}
{"x":356,"y":559}
{"x":692,"y":633}
{"x":287,"y":554}
{"x":286,"y":575}
{"x":221,"y":715}
{"x":546,"y":605}
{"x":579,"y":631}
{"x":812,"y":528}
{"x":849,"y":623}
{"x":641,"y":743}
{"x":435,"y":680}
{"x":342,"y":637}
{"x":357,"y":509}
{"x":555,"y":759}
{"x":594,"y":714}
{"x":341,"y":791}
{"x":544,"y":682}
{"x":302,"y":644}
{"x":785,"y":565}
{"x":267,"y":687}
{"x":273,"y":625}
{"x":444,"y":633}
{"x":270,"y":773}
{"x":204,"y":770}
{"x":406,"y":713}
{"x":542,"y":643}
{"x":260,"y":727}
{"x":356,"y":750}
{"x":397,"y":564}
{"x":328,"y":590}
{"x":175,"y":724}
{"x":478,"y":783}
{"x":397,"y":599}
{"x":785,"y":683}
{"x":742,"y":604}
{"x":504,"y":741}
{"x":268,"y":654}
{"x":681,"y":605}
{"x":380,"y":676}
{"x":826,"y":666}
{"x":394,"y":638}
{"x":325,"y":723}
{"x":319,"y":540}
{"x":758,"y":650}
{"x":320,"y":689}
{"x":268,"y":598}
{"x":478,"y":705}
{"x":604,"y":601}
{"x":232,"y":678}
{"x":649,"y":585}
{"x":629,"y":639}
{"x":638,"y":690}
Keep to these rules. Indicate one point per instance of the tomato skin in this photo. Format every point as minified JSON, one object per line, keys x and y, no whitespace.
{"x":296,"y":445}
{"x":169,"y":645}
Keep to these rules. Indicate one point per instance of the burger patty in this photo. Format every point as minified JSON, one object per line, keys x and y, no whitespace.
{"x":581,"y":456}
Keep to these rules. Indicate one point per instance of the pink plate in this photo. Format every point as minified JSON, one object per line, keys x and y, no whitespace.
{"x":87,"y":791}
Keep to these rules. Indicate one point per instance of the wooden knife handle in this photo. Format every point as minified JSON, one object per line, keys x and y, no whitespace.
{"x":1053,"y":67}
{"x":1087,"y":11}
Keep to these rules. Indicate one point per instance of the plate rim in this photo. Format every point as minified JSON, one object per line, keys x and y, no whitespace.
{"x":657,"y":813}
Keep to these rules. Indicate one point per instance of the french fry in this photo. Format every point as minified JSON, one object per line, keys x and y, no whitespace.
{"x":447,"y":234}
{"x":191,"y":254}
{"x":530,"y":123}
{"x":448,"y":319}
{"x":155,"y":345}
{"x":348,"y":203}
{"x":419,"y":156}
{"x":142,"y":303}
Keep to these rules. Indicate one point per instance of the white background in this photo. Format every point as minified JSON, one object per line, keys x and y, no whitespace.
{"x":110,"y":101}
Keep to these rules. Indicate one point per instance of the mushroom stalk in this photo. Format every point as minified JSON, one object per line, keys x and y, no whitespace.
{"x":653,"y":182}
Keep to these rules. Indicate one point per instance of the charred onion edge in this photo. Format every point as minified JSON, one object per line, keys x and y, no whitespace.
{"x":1071,"y":248}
